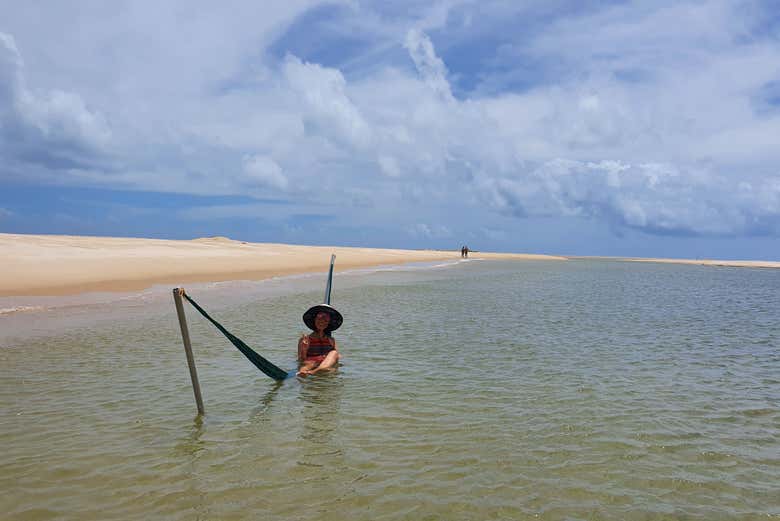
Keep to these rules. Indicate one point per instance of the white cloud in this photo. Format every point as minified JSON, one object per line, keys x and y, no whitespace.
{"x":654,"y":197}
{"x":64,"y":116}
{"x":640,"y":115}
{"x":39,"y":125}
{"x":324,"y":91}
{"x":266,"y":171}
{"x":430,"y":67}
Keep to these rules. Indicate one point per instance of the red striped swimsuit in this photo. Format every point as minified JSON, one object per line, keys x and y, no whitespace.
{"x":318,"y":349}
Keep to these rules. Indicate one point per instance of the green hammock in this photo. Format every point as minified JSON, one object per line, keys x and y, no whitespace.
{"x":261,"y":363}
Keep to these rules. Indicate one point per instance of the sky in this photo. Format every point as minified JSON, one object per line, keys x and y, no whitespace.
{"x":579,"y":128}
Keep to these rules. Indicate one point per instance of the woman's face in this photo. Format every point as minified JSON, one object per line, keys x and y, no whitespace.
{"x":322,"y":320}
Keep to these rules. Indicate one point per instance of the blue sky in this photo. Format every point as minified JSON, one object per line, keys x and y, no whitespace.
{"x":590,"y":128}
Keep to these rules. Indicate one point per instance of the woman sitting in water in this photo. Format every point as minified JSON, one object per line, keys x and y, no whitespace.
{"x":318,"y":351}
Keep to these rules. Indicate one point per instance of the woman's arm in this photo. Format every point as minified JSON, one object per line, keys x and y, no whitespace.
{"x":303,"y":347}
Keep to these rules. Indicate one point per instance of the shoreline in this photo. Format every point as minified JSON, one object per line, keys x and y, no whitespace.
{"x":65,"y":265}
{"x":694,"y":262}
{"x":61,"y":265}
{"x":715,"y":263}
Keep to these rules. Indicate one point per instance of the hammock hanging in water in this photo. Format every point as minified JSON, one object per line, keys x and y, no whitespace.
{"x":261,"y":363}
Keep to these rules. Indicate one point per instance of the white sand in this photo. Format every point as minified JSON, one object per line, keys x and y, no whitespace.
{"x":34,"y":265}
{"x":709,"y":262}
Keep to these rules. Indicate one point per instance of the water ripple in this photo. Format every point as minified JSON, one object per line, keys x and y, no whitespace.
{"x":506,"y":390}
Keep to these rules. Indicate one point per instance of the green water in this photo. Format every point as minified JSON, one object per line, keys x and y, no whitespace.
{"x":482,"y":390}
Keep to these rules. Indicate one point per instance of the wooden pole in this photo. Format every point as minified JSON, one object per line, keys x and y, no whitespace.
{"x":330,"y":280}
{"x":185,"y":336}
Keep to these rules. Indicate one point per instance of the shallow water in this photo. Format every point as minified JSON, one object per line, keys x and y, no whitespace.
{"x":479,"y":390}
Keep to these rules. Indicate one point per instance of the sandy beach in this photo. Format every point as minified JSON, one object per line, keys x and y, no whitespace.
{"x":42,"y":265}
{"x":52,"y":265}
{"x":710,"y":262}
{"x":696,"y":262}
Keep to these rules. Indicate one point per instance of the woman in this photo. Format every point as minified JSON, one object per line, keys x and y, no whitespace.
{"x":318,"y":351}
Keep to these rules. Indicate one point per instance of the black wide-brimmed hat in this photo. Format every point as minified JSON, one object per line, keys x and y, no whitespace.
{"x":335,"y":317}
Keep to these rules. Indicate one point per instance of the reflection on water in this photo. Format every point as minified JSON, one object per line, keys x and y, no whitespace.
{"x":579,"y":390}
{"x":268,"y":398}
{"x":321,"y":397}
{"x":191,"y":445}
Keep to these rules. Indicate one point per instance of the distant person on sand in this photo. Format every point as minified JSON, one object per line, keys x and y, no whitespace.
{"x":317,"y":351}
{"x":466,"y":251}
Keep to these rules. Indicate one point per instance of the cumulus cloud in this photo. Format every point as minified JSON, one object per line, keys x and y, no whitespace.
{"x":657,"y":198}
{"x":612,"y":113}
{"x":324,"y":91}
{"x":53,"y":127}
{"x":265,"y":171}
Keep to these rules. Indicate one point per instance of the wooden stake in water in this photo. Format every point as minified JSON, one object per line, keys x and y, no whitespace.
{"x":185,"y":336}
{"x":330,"y":279}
